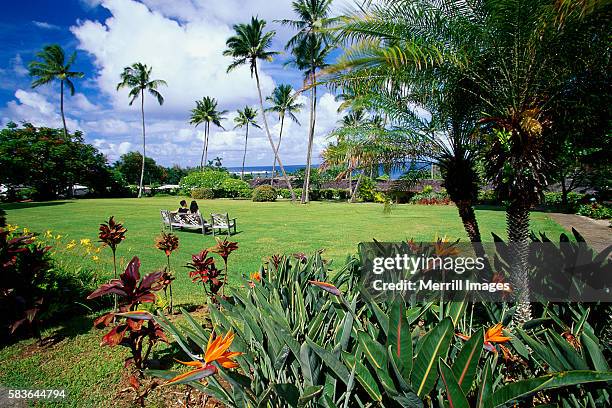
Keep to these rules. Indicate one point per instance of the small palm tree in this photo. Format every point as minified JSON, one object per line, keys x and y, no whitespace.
{"x":246,"y":117}
{"x":137,"y":77}
{"x":53,"y":66}
{"x":250,"y":44}
{"x":206,"y":112}
{"x":283,"y":100}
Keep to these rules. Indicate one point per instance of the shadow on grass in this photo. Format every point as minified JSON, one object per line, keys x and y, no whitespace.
{"x":33,"y":204}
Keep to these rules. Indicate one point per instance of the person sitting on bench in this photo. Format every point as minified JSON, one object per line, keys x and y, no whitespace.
{"x":193,"y":208}
{"x":183,"y":208}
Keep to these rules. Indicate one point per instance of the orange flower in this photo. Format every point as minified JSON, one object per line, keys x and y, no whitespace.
{"x":495,"y":334}
{"x":255,"y":276}
{"x":492,"y":335}
{"x":216,"y":350}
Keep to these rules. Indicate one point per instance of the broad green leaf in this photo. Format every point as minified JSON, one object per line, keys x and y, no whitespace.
{"x":399,"y":337}
{"x":464,"y":366}
{"x":374,"y":351}
{"x":523,"y":388}
{"x":436,"y":345}
{"x":398,"y":374}
{"x":594,"y":353}
{"x":454,"y":395}
{"x":363,"y":375}
{"x":571,"y":355}
{"x":545,"y":353}
{"x":330,"y":360}
{"x":309,"y":364}
{"x":288,"y":392}
{"x":485,"y":388}
{"x":309,"y":394}
{"x":455,"y":311}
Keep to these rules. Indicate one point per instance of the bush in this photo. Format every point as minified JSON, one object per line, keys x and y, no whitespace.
{"x":487,"y":197}
{"x":234,"y":188}
{"x":264,"y":193}
{"x":285,"y":193}
{"x":208,"y":178}
{"x":202,"y":193}
{"x":430,"y":197}
{"x":596,"y":211}
{"x":554,"y":200}
{"x":367,"y":189}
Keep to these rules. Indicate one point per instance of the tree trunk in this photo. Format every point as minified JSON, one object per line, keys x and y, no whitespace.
{"x":204,"y":141}
{"x":354,"y":193}
{"x":265,"y":121}
{"x":517,"y":221}
{"x":468,"y":218}
{"x":563,"y":193}
{"x":62,"y":108}
{"x":280,"y":137}
{"x":246,"y":140}
{"x":144,"y":152}
{"x":313,"y":113}
{"x":206,"y":145}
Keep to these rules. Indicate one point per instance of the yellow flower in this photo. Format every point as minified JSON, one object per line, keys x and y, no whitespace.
{"x":71,"y":244}
{"x":58,"y":237}
{"x":95,"y":258}
{"x":12,"y":228}
{"x":98,"y":250}
{"x":25,"y":230}
{"x":48,"y":234}
{"x":85,"y":241}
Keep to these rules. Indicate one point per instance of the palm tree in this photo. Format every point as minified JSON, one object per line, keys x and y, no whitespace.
{"x":309,"y":56}
{"x":250,"y":44}
{"x":513,"y":70}
{"x":310,"y":46}
{"x":53,"y":66}
{"x":283,"y":100}
{"x":206,"y":112}
{"x":246,"y":117}
{"x":137,"y":78}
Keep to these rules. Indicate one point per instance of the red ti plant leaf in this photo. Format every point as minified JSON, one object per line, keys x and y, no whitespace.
{"x":130,"y":288}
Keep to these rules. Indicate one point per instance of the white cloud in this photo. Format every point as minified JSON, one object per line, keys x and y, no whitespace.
{"x":45,"y":25}
{"x":187,"y":55}
{"x":18,"y":66}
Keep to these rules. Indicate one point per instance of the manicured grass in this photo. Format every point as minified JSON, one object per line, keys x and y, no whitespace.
{"x":92,"y":374}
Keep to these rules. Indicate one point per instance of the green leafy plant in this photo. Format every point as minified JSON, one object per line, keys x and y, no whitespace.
{"x":207,"y":178}
{"x":265,"y":193}
{"x":234,"y":188}
{"x":202,"y":193}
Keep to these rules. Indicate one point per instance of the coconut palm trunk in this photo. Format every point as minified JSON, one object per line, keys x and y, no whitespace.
{"x":144,"y":144}
{"x":265,"y":121}
{"x":354,"y":194}
{"x":313,"y":113}
{"x":468,"y":218}
{"x":204,"y":147}
{"x":517,"y":220}
{"x":62,"y":108}
{"x":246,"y":140}
{"x":280,"y":137}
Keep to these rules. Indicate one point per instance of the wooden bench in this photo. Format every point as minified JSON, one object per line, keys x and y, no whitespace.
{"x":222,"y":222}
{"x":184,"y":220}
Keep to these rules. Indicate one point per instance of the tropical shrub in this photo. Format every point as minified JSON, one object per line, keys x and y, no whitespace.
{"x":595,"y":210}
{"x":554,"y":200}
{"x":367,"y":189}
{"x":208,"y":178}
{"x":428,"y":196}
{"x":487,"y":197}
{"x":203,"y":193}
{"x":235,"y":188}
{"x":134,"y":326}
{"x":265,"y":193}
{"x":285,"y":193}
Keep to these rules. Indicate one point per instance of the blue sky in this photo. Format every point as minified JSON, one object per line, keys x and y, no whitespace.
{"x":183,"y":41}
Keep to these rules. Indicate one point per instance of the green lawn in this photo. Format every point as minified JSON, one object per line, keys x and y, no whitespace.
{"x":91,"y":374}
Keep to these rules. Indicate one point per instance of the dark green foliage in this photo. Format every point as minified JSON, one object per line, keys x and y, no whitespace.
{"x":264,"y":193}
{"x":202,"y":193}
{"x":207,"y":178}
{"x":234,"y":188}
{"x":130,"y":164}
{"x":595,"y":210}
{"x":49,"y":163}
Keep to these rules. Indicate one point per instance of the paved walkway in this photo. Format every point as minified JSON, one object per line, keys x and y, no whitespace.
{"x":597,"y":233}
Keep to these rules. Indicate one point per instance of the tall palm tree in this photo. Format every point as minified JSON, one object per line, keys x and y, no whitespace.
{"x":310,"y":46}
{"x":309,"y":56}
{"x":206,"y":112}
{"x":283,"y":101}
{"x":250,"y":44}
{"x":53,"y":66}
{"x":245,"y":118}
{"x":137,"y":77}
